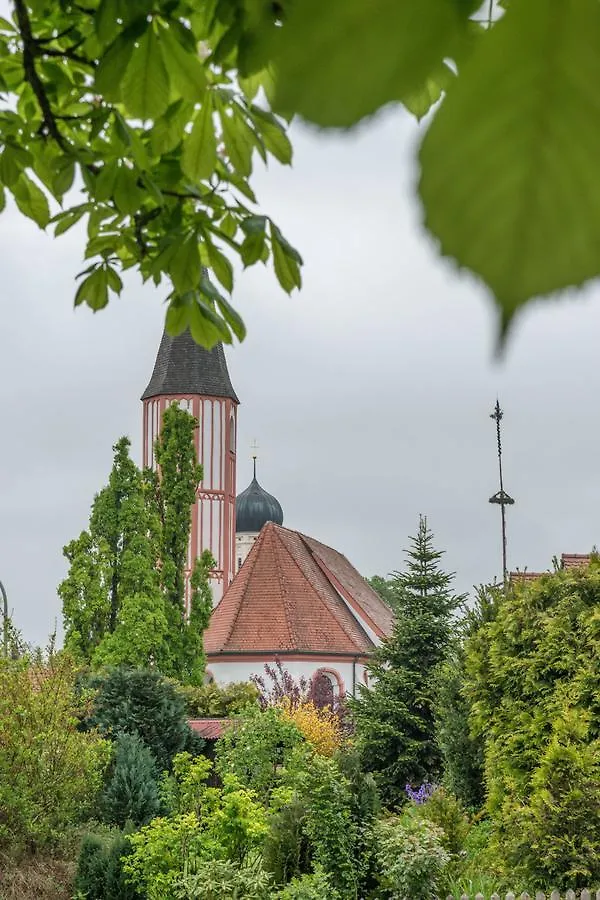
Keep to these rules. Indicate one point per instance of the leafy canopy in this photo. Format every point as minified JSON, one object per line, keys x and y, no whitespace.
{"x":124,"y":597}
{"x":157,"y":109}
{"x":136,"y":105}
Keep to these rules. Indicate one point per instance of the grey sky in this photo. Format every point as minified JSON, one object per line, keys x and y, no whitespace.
{"x":369,"y":393}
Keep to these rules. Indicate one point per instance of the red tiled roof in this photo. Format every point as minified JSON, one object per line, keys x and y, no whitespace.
{"x":567,"y":561}
{"x":285,"y":598}
{"x":209,"y":729}
{"x":574,"y":560}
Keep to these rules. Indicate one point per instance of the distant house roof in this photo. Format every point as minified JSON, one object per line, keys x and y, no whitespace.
{"x":567,"y":561}
{"x":294,"y":594}
{"x":209,"y":729}
{"x":183,"y":367}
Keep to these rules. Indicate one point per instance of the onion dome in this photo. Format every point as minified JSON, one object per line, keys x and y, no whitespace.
{"x":254,"y":507}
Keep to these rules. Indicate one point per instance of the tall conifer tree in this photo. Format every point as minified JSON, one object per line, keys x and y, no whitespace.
{"x":395,"y":715}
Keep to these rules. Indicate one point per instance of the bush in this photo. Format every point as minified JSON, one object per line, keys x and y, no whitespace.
{"x":447,"y":812}
{"x":257,"y":748}
{"x":50,"y":773}
{"x":534,"y":682}
{"x":309,"y":887}
{"x":410,"y":856}
{"x":222,"y":880}
{"x":212,"y":701}
{"x":286,"y":850}
{"x":131,"y":794}
{"x":144,"y":703}
{"x":320,"y":726}
{"x":100,"y":873}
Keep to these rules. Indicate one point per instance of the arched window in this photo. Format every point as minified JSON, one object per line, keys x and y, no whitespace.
{"x":232,"y":434}
{"x":326,"y":687}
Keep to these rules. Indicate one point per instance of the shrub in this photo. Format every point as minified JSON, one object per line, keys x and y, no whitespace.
{"x":210,"y":700}
{"x":320,"y":726}
{"x":100,"y":872}
{"x":447,"y":812}
{"x":257,"y":748}
{"x":329,"y":825}
{"x":144,"y":703}
{"x":218,"y":879}
{"x":410,"y":856}
{"x":50,"y":773}
{"x":132,"y":790}
{"x":286,"y":850}
{"x":534,"y":682}
{"x":309,"y":887}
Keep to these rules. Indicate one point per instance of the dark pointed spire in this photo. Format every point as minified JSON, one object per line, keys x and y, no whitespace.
{"x":183,"y":367}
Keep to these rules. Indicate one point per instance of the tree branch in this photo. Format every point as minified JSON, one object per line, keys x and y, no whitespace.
{"x":67,"y":53}
{"x":31,"y":74}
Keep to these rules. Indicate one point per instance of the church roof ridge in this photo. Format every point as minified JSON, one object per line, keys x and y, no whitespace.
{"x":286,"y":599}
{"x":184,"y":367}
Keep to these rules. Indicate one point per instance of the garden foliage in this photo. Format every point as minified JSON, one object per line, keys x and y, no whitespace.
{"x":534,"y":682}
{"x":50,"y":771}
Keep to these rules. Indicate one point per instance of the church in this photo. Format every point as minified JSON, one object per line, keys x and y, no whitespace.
{"x":279,"y":595}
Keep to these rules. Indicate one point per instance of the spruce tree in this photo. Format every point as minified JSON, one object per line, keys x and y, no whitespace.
{"x":132,"y":792}
{"x":395,"y":715}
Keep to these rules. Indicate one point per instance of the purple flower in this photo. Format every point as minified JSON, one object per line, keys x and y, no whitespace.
{"x":421,"y":794}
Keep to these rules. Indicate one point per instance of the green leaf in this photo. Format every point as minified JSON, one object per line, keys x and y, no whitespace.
{"x":127,"y":195}
{"x":67,"y":220}
{"x":220,"y":265}
{"x":177,"y":318}
{"x":2,"y":199}
{"x":510,"y":163}
{"x":342,"y":60}
{"x":184,"y":267}
{"x":146,"y":88}
{"x":285,"y":263}
{"x":10,"y":167}
{"x":64,"y":175}
{"x":205,"y":325}
{"x":31,"y":200}
{"x":114,"y":280}
{"x":233,"y":319}
{"x":200,"y":149}
{"x":106,"y":20}
{"x":228,"y":226}
{"x":239,"y":141}
{"x":93,"y":290}
{"x":113,"y":66}
{"x":420,"y":102}
{"x":168,"y":132}
{"x":105,"y":182}
{"x":252,"y":248}
{"x":187,"y":74}
{"x":273,"y":134}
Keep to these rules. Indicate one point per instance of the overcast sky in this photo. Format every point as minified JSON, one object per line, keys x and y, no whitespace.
{"x":369,"y":393}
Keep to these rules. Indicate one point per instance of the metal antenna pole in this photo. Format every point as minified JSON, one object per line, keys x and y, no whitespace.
{"x":4,"y":620}
{"x":501,"y":498}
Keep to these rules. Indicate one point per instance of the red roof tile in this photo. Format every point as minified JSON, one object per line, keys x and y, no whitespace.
{"x":293,"y":594}
{"x":209,"y":729}
{"x":574,"y":560}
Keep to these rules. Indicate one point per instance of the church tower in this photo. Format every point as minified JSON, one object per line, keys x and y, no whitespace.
{"x":198,"y":380}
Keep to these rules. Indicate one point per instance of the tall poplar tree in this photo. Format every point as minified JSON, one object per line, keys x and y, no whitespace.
{"x":395,"y":715}
{"x":123,"y":598}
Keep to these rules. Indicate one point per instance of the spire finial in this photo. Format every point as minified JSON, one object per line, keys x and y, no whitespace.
{"x":501,"y":498}
{"x":254,"y":448}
